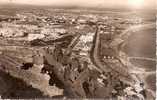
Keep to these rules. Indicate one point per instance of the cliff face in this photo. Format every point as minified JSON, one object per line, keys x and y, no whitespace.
{"x":14,"y":88}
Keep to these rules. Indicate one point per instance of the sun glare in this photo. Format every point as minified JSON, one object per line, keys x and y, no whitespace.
{"x":136,"y":3}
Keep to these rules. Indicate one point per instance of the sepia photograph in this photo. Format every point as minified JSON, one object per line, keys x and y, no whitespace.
{"x":78,"y":49}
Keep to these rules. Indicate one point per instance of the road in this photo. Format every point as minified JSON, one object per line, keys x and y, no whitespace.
{"x":94,"y":53}
{"x":142,"y":58}
{"x":107,"y":67}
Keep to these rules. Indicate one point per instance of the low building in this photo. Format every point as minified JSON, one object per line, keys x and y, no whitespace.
{"x":35,"y":36}
{"x":11,"y":32}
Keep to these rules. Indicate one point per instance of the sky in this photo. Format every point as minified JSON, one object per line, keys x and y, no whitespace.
{"x":89,"y":3}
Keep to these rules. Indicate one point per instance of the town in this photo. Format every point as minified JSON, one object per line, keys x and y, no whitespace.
{"x":65,"y":54}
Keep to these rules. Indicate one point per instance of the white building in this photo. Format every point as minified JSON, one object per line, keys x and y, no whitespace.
{"x":35,"y":36}
{"x":11,"y":32}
